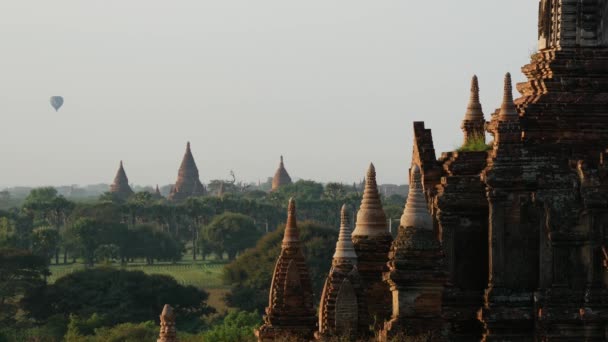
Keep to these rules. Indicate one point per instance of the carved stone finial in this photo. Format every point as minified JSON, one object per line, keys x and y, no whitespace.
{"x":416,"y":213}
{"x":291,"y":228}
{"x":344,"y":246}
{"x":371,"y":219}
{"x":167,"y":325}
{"x":474,"y":110}
{"x":508,"y":111}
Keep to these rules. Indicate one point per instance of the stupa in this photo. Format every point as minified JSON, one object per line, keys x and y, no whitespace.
{"x":188,"y":183}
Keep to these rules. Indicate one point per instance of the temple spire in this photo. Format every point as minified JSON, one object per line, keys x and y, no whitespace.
{"x":416,"y":213}
{"x":291,"y":228}
{"x":474,"y":110}
{"x":508,"y":111}
{"x":344,"y":247}
{"x":371,"y":219}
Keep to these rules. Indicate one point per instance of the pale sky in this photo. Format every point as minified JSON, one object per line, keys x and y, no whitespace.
{"x":331,"y":85}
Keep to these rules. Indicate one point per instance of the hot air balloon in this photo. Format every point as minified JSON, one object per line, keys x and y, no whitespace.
{"x":56,"y":102}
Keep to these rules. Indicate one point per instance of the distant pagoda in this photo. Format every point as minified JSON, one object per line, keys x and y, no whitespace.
{"x":281,"y":177}
{"x":120,"y":186}
{"x":188,"y":183}
{"x":157,"y":195}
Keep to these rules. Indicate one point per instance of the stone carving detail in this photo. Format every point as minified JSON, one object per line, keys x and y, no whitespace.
{"x":290,"y":308}
{"x":188,"y":183}
{"x":281,"y":177}
{"x":120,"y":186}
{"x":167,"y":325}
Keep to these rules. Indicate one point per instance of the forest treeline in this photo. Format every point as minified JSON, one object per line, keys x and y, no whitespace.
{"x":242,"y":227}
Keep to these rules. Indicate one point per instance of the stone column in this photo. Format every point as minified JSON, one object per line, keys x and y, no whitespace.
{"x":167,"y":325}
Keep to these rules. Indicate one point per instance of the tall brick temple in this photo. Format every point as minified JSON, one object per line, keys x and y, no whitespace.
{"x":188,"y":183}
{"x":120,"y":187}
{"x":506,"y":241}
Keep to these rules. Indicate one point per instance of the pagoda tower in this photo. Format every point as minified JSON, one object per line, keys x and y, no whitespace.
{"x":341,"y":300}
{"x":416,"y":271}
{"x":120,"y":186}
{"x":188,"y":183}
{"x":290,"y":311}
{"x":372,"y":242}
{"x":281,"y":177}
{"x":474,"y":122}
{"x":157,"y":195}
{"x":167,"y":325}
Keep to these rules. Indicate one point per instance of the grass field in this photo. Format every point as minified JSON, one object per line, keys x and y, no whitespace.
{"x":206,"y":275}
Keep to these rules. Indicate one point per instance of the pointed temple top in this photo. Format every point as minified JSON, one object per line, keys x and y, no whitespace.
{"x":344,"y":246}
{"x":416,"y":213}
{"x":121,"y":182}
{"x":371,"y":219}
{"x":281,"y":177}
{"x":474,"y":110}
{"x":291,"y":229}
{"x":167,"y":312}
{"x":508,"y":111}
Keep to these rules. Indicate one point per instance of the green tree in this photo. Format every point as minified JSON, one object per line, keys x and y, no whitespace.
{"x":117,"y":296}
{"x":334,"y":191}
{"x":231,"y":233}
{"x":45,"y":241}
{"x":21,"y":272}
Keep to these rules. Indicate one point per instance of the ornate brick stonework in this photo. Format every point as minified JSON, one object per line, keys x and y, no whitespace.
{"x":290,"y":309}
{"x":281,"y":177}
{"x":120,"y":186}
{"x":341,"y":300}
{"x":521,"y":230}
{"x":188,"y":183}
{"x":167,"y":325}
{"x":372,"y":242}
{"x":416,"y":271}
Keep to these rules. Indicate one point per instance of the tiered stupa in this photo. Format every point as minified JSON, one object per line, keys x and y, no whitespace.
{"x":290,"y":312}
{"x":341,"y":299}
{"x":372,"y":242}
{"x":281,"y":177}
{"x":188,"y":183}
{"x":120,"y":186}
{"x":167,"y":325}
{"x":416,"y":271}
{"x":474,"y":122}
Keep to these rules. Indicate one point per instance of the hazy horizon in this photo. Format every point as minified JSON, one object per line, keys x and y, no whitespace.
{"x":331,"y":85}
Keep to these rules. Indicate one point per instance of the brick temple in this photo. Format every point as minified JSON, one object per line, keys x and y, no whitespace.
{"x":188,"y":183}
{"x":504,"y":242}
